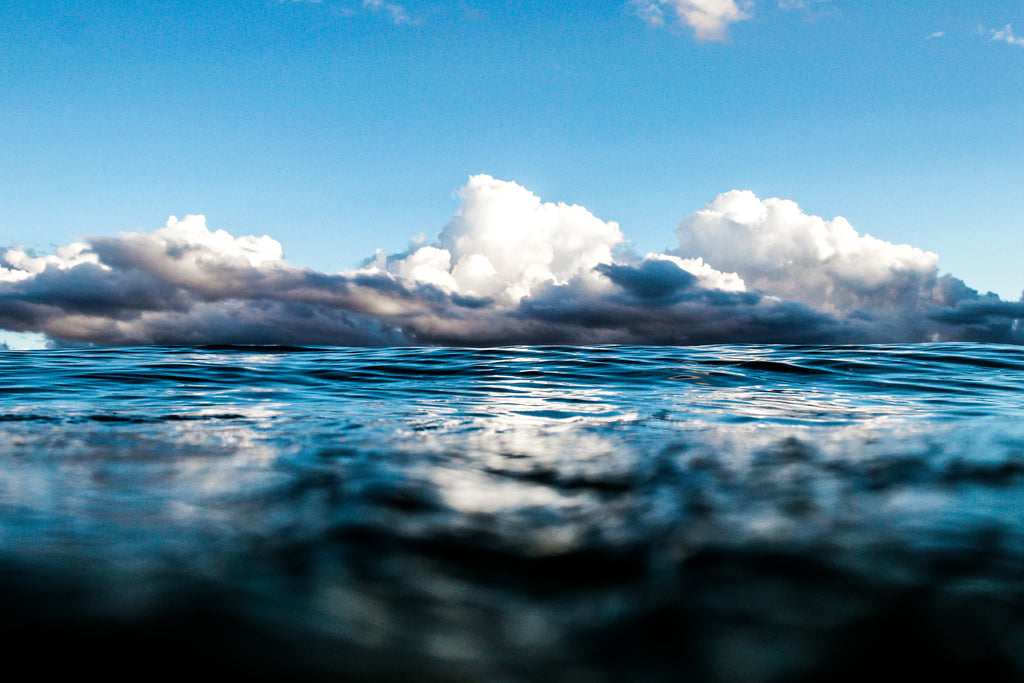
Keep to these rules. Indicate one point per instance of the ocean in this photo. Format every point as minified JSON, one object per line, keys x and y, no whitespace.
{"x":611,"y":513}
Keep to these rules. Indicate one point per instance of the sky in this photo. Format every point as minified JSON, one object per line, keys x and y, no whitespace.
{"x":655,"y":154}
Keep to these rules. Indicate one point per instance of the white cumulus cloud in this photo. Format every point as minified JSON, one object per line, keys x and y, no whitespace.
{"x":777,"y":248}
{"x":21,"y":265}
{"x":505,"y":242}
{"x":709,"y":19}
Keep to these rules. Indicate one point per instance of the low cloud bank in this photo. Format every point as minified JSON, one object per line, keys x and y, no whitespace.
{"x":509,"y":269}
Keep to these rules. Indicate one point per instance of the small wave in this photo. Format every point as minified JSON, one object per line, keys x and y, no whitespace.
{"x":27,"y":417}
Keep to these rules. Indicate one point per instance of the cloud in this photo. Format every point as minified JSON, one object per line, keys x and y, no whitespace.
{"x":709,"y":19}
{"x":937,"y":34}
{"x":508,"y":268}
{"x":395,"y":12}
{"x":504,"y":243}
{"x":881,"y":291}
{"x":1006,"y":35}
{"x":777,"y":248}
{"x":808,"y":5}
{"x":17,"y":264}
{"x":812,"y":11}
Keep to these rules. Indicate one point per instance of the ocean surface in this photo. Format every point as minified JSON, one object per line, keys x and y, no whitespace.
{"x":719,"y":513}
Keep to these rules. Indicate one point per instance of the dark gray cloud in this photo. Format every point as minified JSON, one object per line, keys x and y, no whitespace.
{"x":651,"y":280}
{"x":509,"y":269}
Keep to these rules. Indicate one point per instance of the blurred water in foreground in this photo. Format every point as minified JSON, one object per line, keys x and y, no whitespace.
{"x":723,"y":513}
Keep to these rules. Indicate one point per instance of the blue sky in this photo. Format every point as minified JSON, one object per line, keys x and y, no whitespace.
{"x":343,"y":126}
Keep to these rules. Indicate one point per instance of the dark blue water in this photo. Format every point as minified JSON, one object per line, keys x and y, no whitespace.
{"x":724,"y":513}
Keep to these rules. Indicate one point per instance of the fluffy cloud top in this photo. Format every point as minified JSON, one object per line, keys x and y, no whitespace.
{"x":709,"y":19}
{"x":777,"y":248}
{"x":505,"y":243}
{"x":508,"y":269}
{"x":21,"y":266}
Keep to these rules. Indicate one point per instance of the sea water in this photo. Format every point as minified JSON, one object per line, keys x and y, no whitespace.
{"x":719,"y":513}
